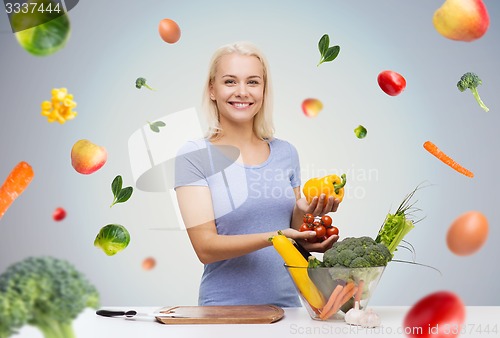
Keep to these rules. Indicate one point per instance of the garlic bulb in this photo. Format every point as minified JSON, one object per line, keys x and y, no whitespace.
{"x":369,"y":319}
{"x":353,"y":315}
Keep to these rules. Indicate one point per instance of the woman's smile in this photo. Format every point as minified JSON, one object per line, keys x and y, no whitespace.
{"x":240,"y":105}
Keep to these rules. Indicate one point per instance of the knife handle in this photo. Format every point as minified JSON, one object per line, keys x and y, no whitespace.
{"x":108,"y":313}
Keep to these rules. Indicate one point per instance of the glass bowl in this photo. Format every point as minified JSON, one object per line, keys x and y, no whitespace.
{"x":328,"y":293}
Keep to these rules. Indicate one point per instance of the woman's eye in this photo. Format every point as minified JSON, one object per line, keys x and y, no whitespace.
{"x":229,"y":82}
{"x":253,"y":82}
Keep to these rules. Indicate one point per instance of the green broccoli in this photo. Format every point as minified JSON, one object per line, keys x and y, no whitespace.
{"x":352,"y":252}
{"x":44,"y":292}
{"x":472,"y":81}
{"x":141,"y":82}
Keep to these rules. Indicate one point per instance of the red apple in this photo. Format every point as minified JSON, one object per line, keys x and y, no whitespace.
{"x":87,"y":157}
{"x":462,"y":20}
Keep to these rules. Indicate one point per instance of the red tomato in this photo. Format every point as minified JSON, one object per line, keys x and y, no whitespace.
{"x":320,"y":231}
{"x":391,"y":83}
{"x":308,"y":218}
{"x":305,"y":227}
{"x":330,"y":231}
{"x":59,"y":214}
{"x":438,"y":315}
{"x":326,"y":220}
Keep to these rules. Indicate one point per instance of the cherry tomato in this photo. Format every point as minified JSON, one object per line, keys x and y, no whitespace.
{"x":308,"y":218}
{"x":305,"y":227}
{"x":320,"y":231}
{"x":326,"y":220}
{"x":391,"y":83}
{"x":59,"y":214}
{"x":431,"y":315}
{"x":331,"y":230}
{"x":316,"y":223}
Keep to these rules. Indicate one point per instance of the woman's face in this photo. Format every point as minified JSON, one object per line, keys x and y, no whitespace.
{"x":238,"y":88}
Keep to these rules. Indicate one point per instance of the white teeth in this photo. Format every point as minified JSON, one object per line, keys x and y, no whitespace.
{"x":241,"y":105}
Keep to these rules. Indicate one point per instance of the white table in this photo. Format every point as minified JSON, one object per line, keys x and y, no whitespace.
{"x":481,"y":322}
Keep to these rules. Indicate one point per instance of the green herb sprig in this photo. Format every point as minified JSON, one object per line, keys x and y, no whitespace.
{"x":120,"y":195}
{"x":155,"y":126}
{"x":328,"y":53}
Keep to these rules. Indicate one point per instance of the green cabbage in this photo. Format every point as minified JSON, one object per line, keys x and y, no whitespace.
{"x":45,"y":38}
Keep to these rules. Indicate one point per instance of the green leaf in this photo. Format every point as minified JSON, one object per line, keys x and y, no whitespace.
{"x":116,"y":186}
{"x":155,"y":126}
{"x":124,"y":195}
{"x":331,"y":54}
{"x":323,"y":44}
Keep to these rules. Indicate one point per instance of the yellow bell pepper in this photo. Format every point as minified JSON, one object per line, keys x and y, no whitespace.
{"x":293,"y":258}
{"x":330,"y":185}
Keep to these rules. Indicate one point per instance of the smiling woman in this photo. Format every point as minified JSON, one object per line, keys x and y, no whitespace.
{"x":238,"y":206}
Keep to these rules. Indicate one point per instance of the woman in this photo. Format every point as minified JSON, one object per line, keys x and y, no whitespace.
{"x":238,"y":186}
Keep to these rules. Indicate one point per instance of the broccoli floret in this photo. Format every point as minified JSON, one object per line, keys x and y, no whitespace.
{"x":355,"y":252}
{"x":44,"y":292}
{"x":141,"y":82}
{"x":472,"y":81}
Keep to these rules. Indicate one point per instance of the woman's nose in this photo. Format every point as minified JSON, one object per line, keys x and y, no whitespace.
{"x":242,"y":90}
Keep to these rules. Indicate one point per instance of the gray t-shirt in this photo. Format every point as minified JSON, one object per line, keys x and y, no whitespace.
{"x":246,"y":199}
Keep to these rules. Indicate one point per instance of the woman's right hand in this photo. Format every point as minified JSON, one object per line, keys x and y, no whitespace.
{"x":303,"y":236}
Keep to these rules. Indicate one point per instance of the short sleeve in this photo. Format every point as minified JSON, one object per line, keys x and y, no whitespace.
{"x":189,"y":165}
{"x":295,"y":167}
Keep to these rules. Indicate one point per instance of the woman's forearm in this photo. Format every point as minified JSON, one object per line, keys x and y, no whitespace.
{"x":217,"y":247}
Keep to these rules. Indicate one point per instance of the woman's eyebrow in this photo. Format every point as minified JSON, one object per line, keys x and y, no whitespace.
{"x":235,"y":77}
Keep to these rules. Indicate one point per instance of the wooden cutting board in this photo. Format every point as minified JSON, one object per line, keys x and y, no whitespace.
{"x":228,"y":314}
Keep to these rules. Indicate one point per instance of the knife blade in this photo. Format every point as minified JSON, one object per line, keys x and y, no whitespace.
{"x":133,"y":313}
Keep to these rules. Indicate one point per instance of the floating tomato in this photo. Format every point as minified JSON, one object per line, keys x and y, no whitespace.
{"x":391,"y":83}
{"x":438,"y":315}
{"x":59,"y":214}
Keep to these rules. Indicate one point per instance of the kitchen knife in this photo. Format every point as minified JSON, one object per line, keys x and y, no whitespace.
{"x":133,"y":313}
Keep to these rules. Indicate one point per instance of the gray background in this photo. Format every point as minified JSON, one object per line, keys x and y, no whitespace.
{"x":113,"y":43}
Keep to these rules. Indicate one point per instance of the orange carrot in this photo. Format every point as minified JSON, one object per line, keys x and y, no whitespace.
{"x":331,"y":300}
{"x":359,"y":293}
{"x":349,"y":291}
{"x":17,"y":181}
{"x":434,"y":150}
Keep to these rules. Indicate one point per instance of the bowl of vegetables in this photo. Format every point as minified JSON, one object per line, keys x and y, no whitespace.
{"x":328,"y":293}
{"x":349,"y":273}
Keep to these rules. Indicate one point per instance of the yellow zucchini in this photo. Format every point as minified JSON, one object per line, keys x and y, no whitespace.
{"x":294,"y":258}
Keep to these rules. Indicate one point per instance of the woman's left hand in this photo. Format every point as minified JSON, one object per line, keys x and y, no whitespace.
{"x":319,"y":206}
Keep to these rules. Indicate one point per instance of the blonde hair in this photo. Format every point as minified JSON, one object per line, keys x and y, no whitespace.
{"x":262,"y":124}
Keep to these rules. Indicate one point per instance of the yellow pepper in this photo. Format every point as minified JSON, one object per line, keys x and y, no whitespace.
{"x":330,"y":185}
{"x":293,"y":258}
